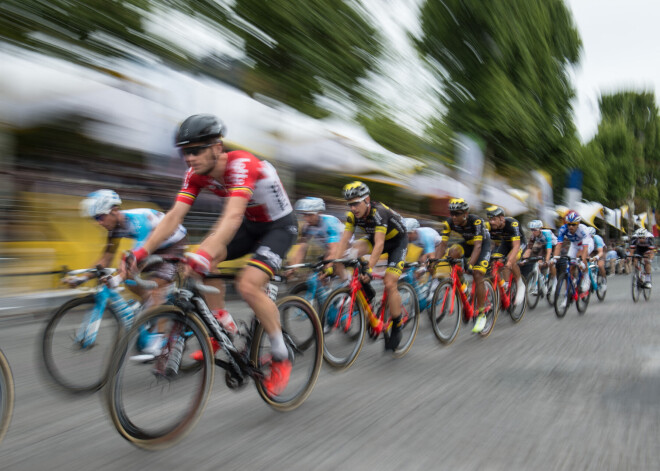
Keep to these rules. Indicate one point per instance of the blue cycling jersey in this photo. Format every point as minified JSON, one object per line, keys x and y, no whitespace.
{"x":581,"y":236}
{"x":139,"y":223}
{"x":428,"y":239}
{"x":328,"y":230}
{"x":598,"y":241}
{"x":545,"y":239}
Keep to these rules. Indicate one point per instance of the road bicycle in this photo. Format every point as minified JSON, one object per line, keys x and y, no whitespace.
{"x":153,"y":405}
{"x":80,"y":335}
{"x":453,"y":301}
{"x":598,"y":281}
{"x":424,"y":288}
{"x":314,"y":289}
{"x":569,"y":289}
{"x":6,"y":395}
{"x":638,"y":279}
{"x":537,"y":282}
{"x":506,"y":290}
{"x":350,"y":313}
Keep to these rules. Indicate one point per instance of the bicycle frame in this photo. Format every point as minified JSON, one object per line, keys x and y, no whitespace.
{"x":505,"y":299}
{"x":468,"y":307}
{"x":377,"y":322}
{"x":409,"y":277}
{"x":571,"y":285}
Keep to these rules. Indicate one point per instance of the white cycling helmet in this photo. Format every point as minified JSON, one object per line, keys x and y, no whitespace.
{"x":411,"y":224}
{"x":535,"y":224}
{"x":641,"y":232}
{"x":99,"y":202}
{"x":310,"y":205}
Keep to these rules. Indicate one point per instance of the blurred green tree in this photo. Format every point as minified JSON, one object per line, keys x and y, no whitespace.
{"x":504,"y":70}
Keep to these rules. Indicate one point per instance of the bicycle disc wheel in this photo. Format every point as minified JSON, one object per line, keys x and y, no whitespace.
{"x":516,"y":311}
{"x":600,"y":292}
{"x":635,"y":286}
{"x":71,"y":366}
{"x":150,"y":405}
{"x":6,"y":395}
{"x":445,"y":317}
{"x":491,"y":309}
{"x":410,"y":313}
{"x":303,"y":336}
{"x":341,"y":345}
{"x":534,"y":291}
{"x":561,"y":296}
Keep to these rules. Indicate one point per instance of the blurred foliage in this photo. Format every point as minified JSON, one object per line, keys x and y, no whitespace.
{"x":503,"y":67}
{"x":394,"y":137}
{"x":625,"y":152}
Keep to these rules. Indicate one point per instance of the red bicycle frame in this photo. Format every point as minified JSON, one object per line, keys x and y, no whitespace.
{"x":468,"y":308}
{"x":505,"y":300}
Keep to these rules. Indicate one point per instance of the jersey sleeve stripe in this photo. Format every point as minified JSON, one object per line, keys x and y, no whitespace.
{"x":186,"y":197}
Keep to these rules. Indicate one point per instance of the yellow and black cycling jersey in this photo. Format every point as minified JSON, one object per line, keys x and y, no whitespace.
{"x":473,"y":230}
{"x":510,"y":232}
{"x":380,"y":218}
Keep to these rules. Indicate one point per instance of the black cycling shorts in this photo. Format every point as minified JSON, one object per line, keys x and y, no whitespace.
{"x":396,"y":250}
{"x":505,"y":247}
{"x":484,"y":255}
{"x":269,"y":241}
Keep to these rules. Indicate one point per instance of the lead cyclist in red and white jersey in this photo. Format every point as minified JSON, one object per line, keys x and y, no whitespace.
{"x":257,"y":218}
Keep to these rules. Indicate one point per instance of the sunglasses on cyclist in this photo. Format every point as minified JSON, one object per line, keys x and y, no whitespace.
{"x":572,"y":224}
{"x":353,"y":204}
{"x":193,"y":150}
{"x":100,"y":217}
{"x":455,"y":213}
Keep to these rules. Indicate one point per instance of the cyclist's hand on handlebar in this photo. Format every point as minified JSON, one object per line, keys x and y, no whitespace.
{"x":554,"y":259}
{"x":74,"y":281}
{"x":199,"y":261}
{"x":130,"y":260}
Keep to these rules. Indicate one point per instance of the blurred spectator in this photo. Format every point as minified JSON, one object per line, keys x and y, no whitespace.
{"x":611,"y":258}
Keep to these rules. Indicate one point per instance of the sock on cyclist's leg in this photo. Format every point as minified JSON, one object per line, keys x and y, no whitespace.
{"x":278,"y":347}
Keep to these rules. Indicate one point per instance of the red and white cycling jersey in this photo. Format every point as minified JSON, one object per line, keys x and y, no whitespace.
{"x":247,"y":177}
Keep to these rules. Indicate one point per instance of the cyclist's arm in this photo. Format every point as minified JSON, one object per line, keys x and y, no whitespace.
{"x":548,"y":254}
{"x":299,"y":254}
{"x":166,"y":226}
{"x":225,"y":228}
{"x":475,"y":252}
{"x":379,"y":244}
{"x":527,"y":253}
{"x":513,"y":253}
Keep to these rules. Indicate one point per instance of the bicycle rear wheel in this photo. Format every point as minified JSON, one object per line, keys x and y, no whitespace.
{"x":410,"y":313}
{"x":303,"y":335}
{"x":491,"y":309}
{"x":342,"y":344}
{"x":562,"y":299}
{"x":534,"y":289}
{"x":72,"y":366}
{"x":516,"y":311}
{"x":600,"y":292}
{"x":445,"y":313}
{"x":636,"y":288}
{"x":150,"y":405}
{"x":6,"y":395}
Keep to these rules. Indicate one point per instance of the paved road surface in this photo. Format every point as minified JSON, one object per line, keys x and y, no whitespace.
{"x":581,"y":393}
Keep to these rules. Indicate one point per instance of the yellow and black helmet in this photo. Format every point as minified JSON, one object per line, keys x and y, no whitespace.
{"x":458,"y":204}
{"x":355,"y":190}
{"x":494,"y":211}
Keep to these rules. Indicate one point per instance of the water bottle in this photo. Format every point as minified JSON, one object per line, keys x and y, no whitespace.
{"x":174,"y":359}
{"x":122,"y":308}
{"x":226,"y":320}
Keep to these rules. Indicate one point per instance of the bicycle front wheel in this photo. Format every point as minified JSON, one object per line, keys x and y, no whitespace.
{"x":344,"y":328}
{"x":562,"y":299}
{"x":534,"y":289}
{"x":70,"y":361}
{"x":647,"y":292}
{"x":491,"y":309}
{"x":303,"y":336}
{"x":601,"y":292}
{"x":445,"y":313}
{"x":516,"y":311}
{"x":410,"y":313}
{"x":635,"y":285}
{"x":6,"y":395}
{"x":152,"y":402}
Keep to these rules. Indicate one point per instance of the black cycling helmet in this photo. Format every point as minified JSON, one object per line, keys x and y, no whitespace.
{"x":494,"y":211}
{"x":198,"y":128}
{"x":355,"y":190}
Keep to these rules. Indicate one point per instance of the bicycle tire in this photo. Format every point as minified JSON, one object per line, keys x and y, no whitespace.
{"x":135,"y":396}
{"x":561,"y":292}
{"x":305,"y":343}
{"x":647,"y":293}
{"x":410,"y":309}
{"x":635,"y":286}
{"x":300,"y":290}
{"x":335,"y":336}
{"x":441,"y":297}
{"x":533,"y":282}
{"x":65,"y":360}
{"x":600,"y":293}
{"x":6,"y":395}
{"x":516,"y":312}
{"x":583,"y":302}
{"x":491,"y":309}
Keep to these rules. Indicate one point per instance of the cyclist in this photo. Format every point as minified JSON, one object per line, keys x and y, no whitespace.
{"x":541,"y":243}
{"x":512,"y":243}
{"x":104,"y":207}
{"x":642,"y":243}
{"x":475,"y":248}
{"x":599,"y":254}
{"x":323,"y":227}
{"x":385,"y":233}
{"x":257,"y":218}
{"x":581,"y":243}
{"x":426,"y":238}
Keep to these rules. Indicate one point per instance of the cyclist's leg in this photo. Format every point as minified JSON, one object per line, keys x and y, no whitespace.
{"x":479,"y":272}
{"x":396,"y":257}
